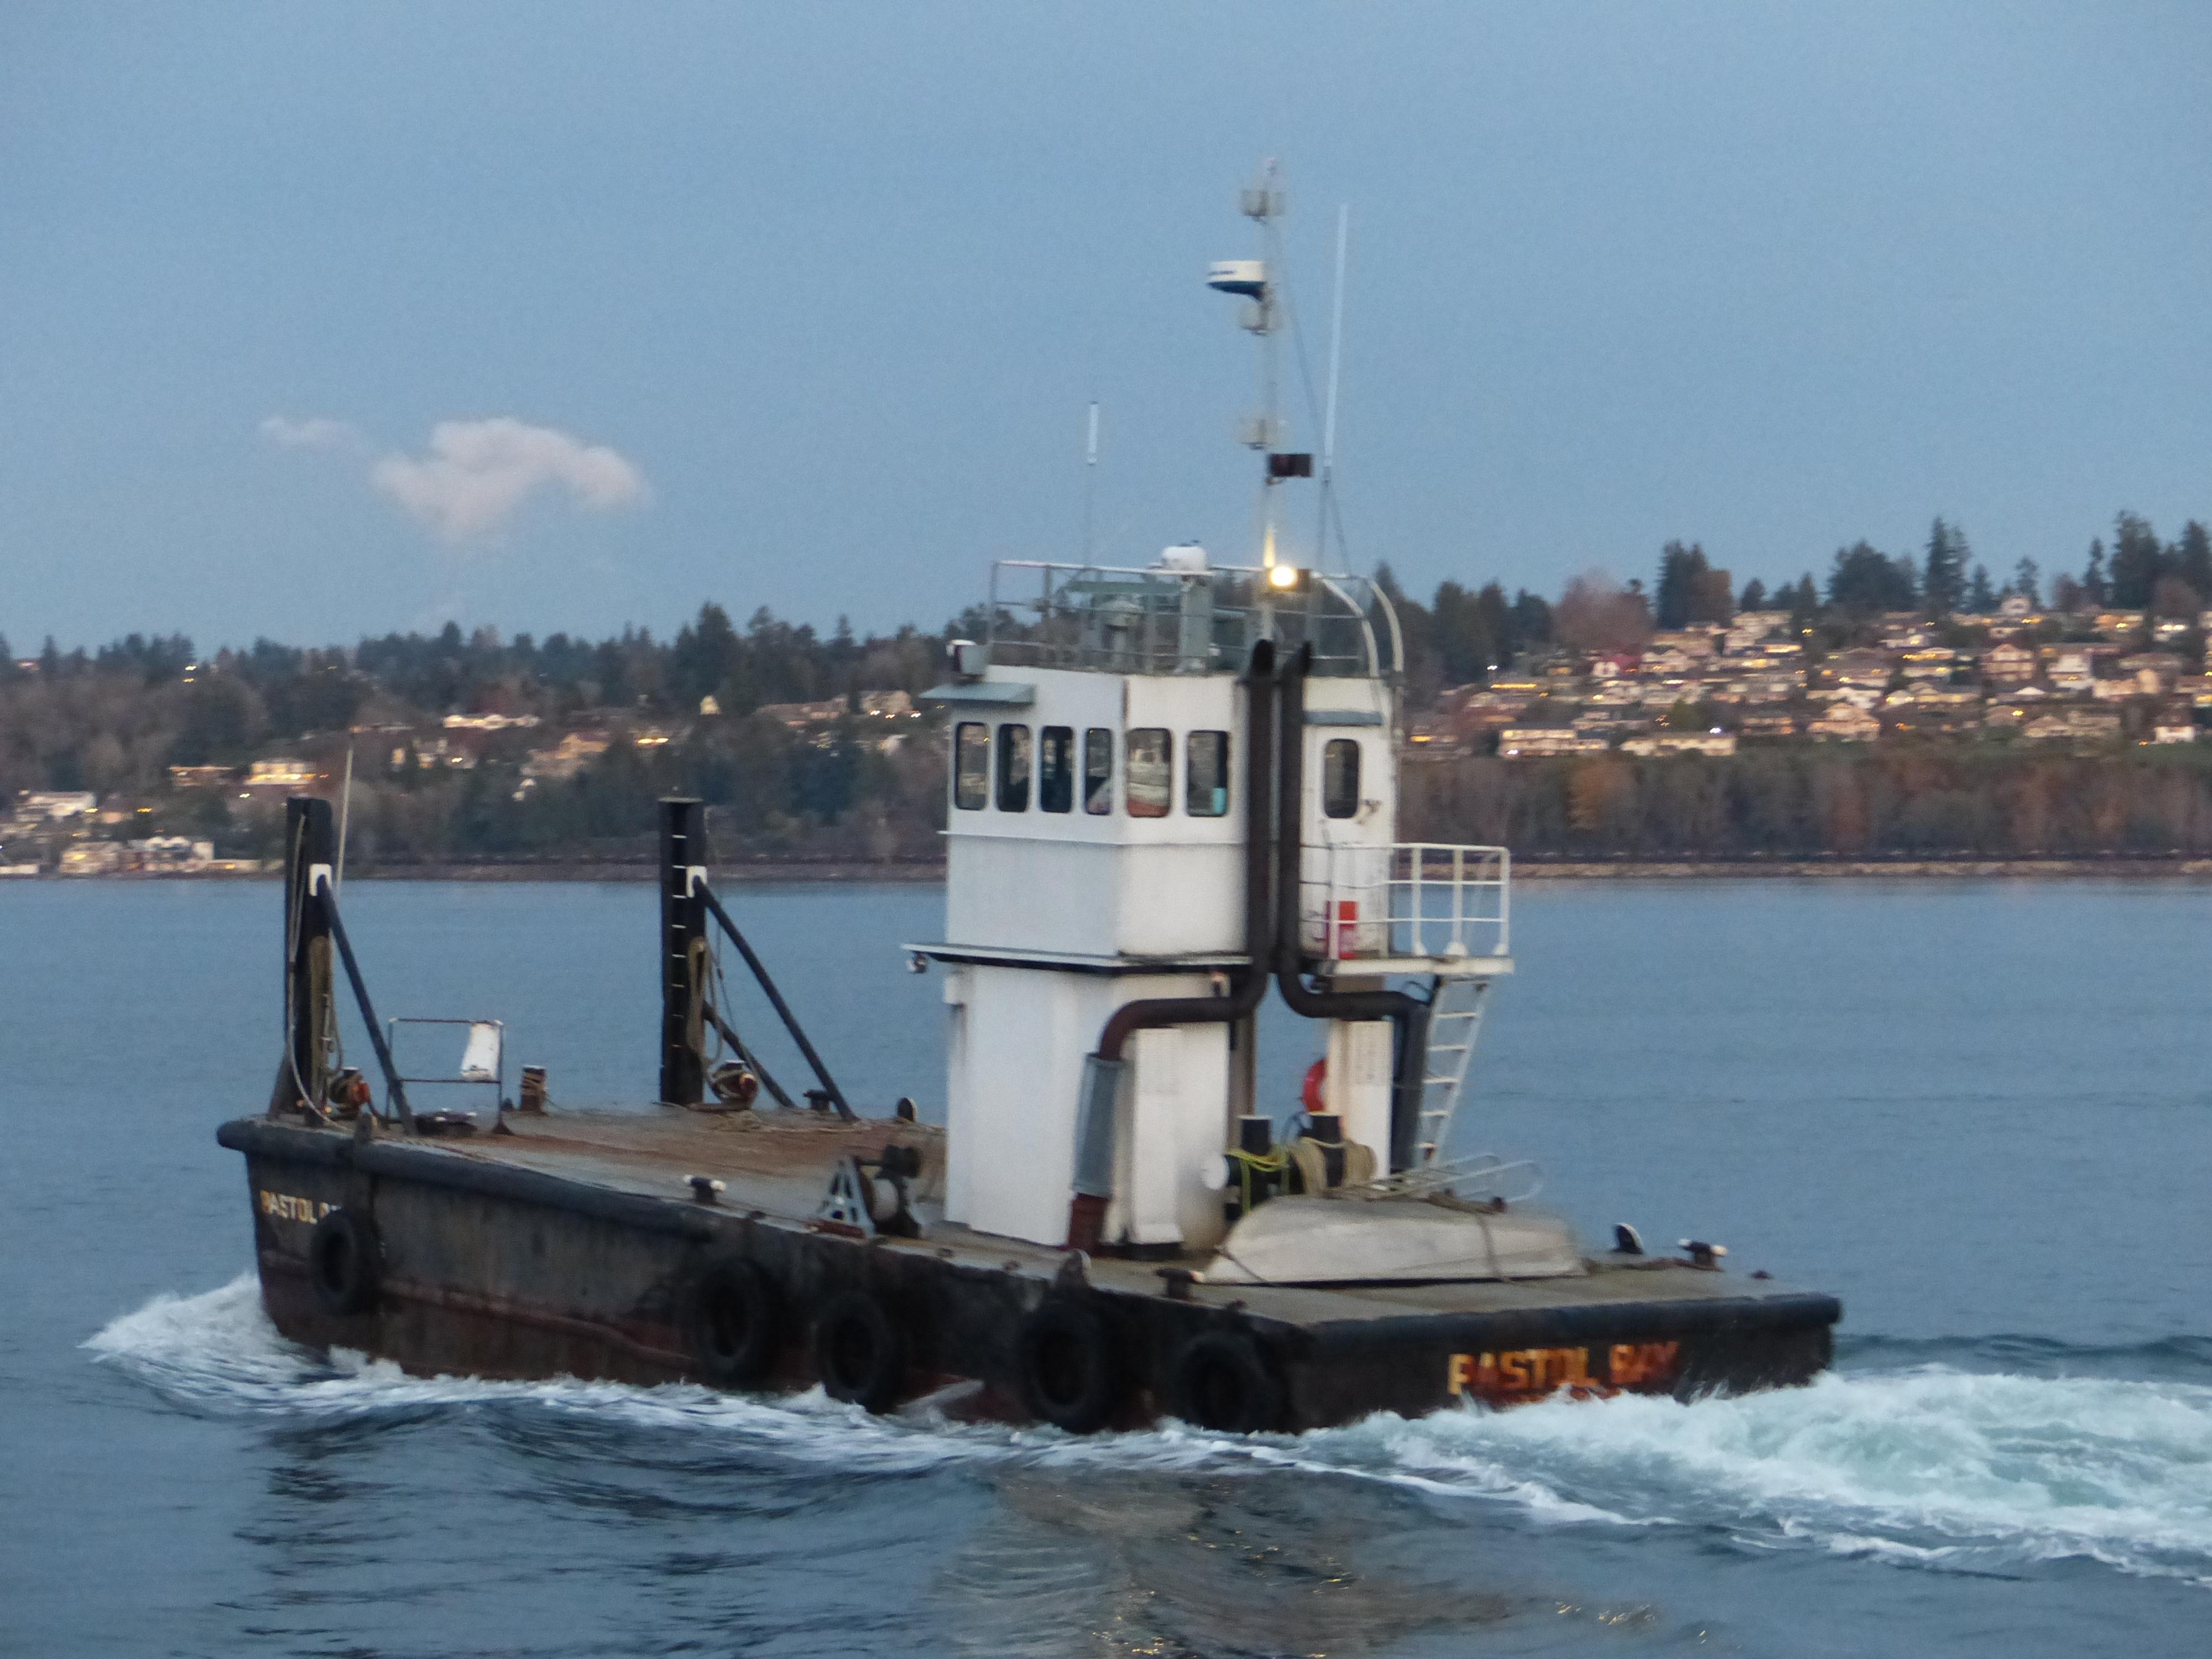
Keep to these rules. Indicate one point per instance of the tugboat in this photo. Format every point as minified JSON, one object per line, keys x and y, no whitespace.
{"x":1171,"y":794}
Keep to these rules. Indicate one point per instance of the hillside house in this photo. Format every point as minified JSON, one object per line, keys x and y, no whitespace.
{"x":571,"y":755}
{"x":1534,"y":742}
{"x":2073,"y":725}
{"x":1928,"y":662}
{"x":1681,"y":743}
{"x":1845,"y":723}
{"x":1861,"y":667}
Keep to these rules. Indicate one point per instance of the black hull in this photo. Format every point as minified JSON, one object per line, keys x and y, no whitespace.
{"x":489,"y":1269}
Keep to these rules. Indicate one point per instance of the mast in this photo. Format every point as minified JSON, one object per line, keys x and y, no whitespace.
{"x":1256,"y":282}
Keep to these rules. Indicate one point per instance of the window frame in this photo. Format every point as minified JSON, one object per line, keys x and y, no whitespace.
{"x":1329,"y":801}
{"x":1130,"y":802}
{"x":960,"y":776}
{"x":1055,"y":787}
{"x":1218,"y":806}
{"x":1098,"y":795}
{"x":1002,"y":754}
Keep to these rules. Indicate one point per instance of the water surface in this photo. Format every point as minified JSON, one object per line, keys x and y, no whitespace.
{"x":1977,"y":1112}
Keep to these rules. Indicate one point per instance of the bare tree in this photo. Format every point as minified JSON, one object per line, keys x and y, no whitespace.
{"x":1597,"y":613}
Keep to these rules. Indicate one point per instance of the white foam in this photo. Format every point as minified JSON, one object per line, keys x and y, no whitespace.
{"x":1928,"y":1467}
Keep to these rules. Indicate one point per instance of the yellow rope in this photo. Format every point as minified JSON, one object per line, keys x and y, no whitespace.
{"x":1249,"y":1163}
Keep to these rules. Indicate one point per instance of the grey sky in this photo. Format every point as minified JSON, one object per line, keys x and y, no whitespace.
{"x":834,"y":283}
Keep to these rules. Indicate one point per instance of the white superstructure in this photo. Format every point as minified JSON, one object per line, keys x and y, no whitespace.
{"x":1098,"y":829}
{"x":1172,"y":792}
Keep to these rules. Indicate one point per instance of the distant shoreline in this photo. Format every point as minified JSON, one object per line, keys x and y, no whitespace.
{"x":833,"y":873}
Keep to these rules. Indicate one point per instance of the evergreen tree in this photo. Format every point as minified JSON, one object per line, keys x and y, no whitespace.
{"x":1864,"y":580}
{"x":2094,"y":588}
{"x":1496,"y":618}
{"x":1681,"y":570}
{"x":1943,"y":575}
{"x":1531,"y":619}
{"x":2189,"y":558}
{"x":1753,"y":597}
{"x":2027,"y":582}
{"x":1465,"y":646}
{"x":1981,"y":597}
{"x":2138,"y":561}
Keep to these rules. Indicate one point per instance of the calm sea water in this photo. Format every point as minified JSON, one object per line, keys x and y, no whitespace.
{"x":1981,"y":1114}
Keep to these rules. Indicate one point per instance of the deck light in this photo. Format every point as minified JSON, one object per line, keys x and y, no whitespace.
{"x":1284,"y":576}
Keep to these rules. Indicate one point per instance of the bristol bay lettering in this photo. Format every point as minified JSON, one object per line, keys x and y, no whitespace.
{"x":283,"y":1206}
{"x":1526,"y":1372}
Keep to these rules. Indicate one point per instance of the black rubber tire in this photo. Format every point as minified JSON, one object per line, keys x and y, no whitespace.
{"x":737,"y":1321}
{"x":345,"y":1260}
{"x":1222,"y":1382}
{"x":859,"y":1353}
{"x":1071,"y":1367}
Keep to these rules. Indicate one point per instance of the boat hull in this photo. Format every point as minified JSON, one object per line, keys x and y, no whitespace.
{"x":490,"y":1269}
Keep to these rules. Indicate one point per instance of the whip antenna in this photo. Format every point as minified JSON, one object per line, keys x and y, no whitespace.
{"x":1089,"y":481}
{"x":1335,"y":365}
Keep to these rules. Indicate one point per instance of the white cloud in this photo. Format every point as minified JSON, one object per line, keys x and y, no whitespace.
{"x":316,"y":432}
{"x":478,"y":474}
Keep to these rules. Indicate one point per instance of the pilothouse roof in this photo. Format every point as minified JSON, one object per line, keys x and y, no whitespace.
{"x":1184,"y":615}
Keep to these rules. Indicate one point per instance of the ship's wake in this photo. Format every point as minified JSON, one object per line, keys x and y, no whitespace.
{"x":1939,"y":1466}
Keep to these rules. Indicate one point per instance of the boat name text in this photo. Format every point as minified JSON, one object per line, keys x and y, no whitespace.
{"x":1524,"y":1373}
{"x":283,"y":1206}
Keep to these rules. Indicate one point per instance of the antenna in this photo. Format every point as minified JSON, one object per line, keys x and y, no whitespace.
{"x":1335,"y":365}
{"x":1089,"y":480}
{"x":1256,"y":281}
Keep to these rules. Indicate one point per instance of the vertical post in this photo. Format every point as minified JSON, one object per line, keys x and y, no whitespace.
{"x":682,"y":952}
{"x":309,"y":846}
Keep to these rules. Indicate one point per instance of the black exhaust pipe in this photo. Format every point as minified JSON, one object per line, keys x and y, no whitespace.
{"x":1408,"y":1014}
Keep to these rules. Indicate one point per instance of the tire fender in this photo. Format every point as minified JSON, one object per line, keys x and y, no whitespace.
{"x":736,"y":1322}
{"x":345,"y":1262}
{"x":1221,"y":1381}
{"x":1071,"y":1367}
{"x":859,"y":1353}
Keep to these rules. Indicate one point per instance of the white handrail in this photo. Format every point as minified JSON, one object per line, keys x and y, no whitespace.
{"x":1426,"y":900}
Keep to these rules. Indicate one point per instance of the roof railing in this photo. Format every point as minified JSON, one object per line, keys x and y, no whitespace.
{"x":1169,"y":619}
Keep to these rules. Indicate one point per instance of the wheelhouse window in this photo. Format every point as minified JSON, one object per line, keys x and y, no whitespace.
{"x":1013,"y":768}
{"x":1206,"y":774}
{"x":1097,"y":771}
{"x":1340,"y":777}
{"x":971,"y":765}
{"x":1148,"y":782}
{"x":1056,"y":768}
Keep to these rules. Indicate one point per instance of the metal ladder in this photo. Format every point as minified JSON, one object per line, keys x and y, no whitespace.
{"x":1456,"y":1005}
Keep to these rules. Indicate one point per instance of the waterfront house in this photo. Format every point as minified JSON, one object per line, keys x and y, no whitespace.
{"x":55,"y":806}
